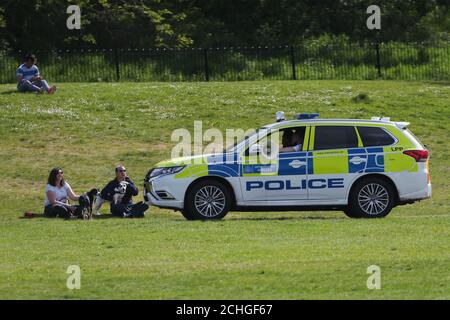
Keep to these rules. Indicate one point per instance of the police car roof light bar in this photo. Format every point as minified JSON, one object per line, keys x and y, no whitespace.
{"x":302,"y":116}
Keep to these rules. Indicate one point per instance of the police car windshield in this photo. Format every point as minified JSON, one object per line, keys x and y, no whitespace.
{"x":240,"y":144}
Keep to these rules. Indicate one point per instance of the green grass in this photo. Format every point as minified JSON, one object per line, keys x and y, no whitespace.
{"x":88,"y":128}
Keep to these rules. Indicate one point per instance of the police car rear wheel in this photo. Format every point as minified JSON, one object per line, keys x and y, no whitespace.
{"x":208,"y":200}
{"x":371,"y":198}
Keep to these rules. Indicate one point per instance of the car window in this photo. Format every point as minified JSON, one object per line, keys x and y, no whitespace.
{"x":291,"y":139}
{"x":283,"y":140}
{"x":242,"y":143}
{"x":374,"y":136}
{"x":267,"y":145}
{"x":335,"y":137}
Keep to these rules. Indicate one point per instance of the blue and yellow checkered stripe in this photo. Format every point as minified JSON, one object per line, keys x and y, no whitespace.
{"x":356,"y":160}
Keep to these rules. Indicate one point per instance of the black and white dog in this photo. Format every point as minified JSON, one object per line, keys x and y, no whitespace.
{"x":86,"y":201}
{"x":119,"y":193}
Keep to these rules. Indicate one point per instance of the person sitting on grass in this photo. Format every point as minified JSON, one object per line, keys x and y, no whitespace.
{"x":29,"y":78}
{"x":119,"y":192}
{"x":57,"y":193}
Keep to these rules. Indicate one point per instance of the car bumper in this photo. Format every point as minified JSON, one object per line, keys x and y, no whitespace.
{"x":422,"y":194}
{"x":164,"y":192}
{"x":153,"y":201}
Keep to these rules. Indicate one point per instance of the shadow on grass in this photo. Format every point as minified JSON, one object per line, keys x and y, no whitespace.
{"x":35,"y":215}
{"x":282,"y":218}
{"x":9,"y":92}
{"x":110,"y":216}
{"x":42,"y":216}
{"x":439,"y":82}
{"x":105,"y":216}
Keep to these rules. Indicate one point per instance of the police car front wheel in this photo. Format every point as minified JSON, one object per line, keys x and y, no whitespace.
{"x":371,"y":198}
{"x":207,"y":200}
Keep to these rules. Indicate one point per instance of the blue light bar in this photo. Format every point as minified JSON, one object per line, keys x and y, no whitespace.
{"x":302,"y":116}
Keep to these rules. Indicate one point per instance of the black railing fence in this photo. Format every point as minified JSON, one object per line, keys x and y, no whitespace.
{"x":410,"y":61}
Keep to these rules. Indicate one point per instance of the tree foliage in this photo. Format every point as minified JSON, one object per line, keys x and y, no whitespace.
{"x":41,"y":24}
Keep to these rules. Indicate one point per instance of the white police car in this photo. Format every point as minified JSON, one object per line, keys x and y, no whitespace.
{"x":363,"y":167}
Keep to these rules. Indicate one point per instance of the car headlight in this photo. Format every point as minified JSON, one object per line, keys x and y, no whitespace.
{"x":165,"y":170}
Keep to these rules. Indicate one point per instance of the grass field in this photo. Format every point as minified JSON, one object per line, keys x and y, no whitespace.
{"x":88,"y":128}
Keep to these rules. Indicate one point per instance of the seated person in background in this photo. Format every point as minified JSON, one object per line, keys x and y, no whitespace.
{"x":292,"y":142}
{"x":57,"y":193}
{"x":119,"y":193}
{"x":29,"y":78}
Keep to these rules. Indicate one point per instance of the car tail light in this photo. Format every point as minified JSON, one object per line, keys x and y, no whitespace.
{"x":418,"y":155}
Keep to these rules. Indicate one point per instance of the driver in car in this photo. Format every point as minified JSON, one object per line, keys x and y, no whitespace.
{"x":292,"y":141}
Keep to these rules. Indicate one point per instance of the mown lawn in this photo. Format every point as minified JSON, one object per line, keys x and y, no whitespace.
{"x":89,"y":128}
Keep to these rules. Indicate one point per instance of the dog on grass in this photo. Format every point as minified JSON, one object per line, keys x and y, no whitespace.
{"x":86,"y":201}
{"x":119,"y":193}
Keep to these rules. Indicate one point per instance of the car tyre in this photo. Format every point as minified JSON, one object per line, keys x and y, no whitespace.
{"x":349,"y":213}
{"x":187,"y":215}
{"x":371,"y":198}
{"x":207,"y":200}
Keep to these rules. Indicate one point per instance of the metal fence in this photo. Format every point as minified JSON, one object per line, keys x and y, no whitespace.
{"x":350,"y":61}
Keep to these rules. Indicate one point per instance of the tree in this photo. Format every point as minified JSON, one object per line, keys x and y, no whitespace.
{"x":105,"y":23}
{"x":32,"y":24}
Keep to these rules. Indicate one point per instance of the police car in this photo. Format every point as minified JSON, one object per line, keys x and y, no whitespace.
{"x":362,"y":167}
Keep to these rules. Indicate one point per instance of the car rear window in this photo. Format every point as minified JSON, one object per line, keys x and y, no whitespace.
{"x":413,"y":139}
{"x":335,"y":137}
{"x":375,"y":136}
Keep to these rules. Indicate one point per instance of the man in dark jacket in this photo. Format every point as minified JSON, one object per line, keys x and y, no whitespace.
{"x":119,"y":192}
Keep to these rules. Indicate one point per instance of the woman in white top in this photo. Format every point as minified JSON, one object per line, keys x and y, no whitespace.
{"x":57,"y":195}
